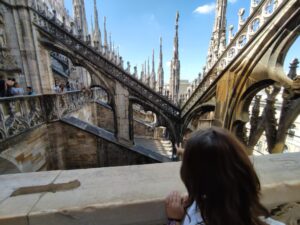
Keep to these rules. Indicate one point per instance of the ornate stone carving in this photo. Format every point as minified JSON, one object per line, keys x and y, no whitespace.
{"x":15,"y":123}
{"x":19,"y":114}
{"x":7,"y":62}
{"x":236,"y":44}
{"x":112,"y":70}
{"x":35,"y":116}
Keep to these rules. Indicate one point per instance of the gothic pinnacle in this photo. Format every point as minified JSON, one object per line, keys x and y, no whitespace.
{"x":175,"y":66}
{"x":176,"y":54}
{"x":153,"y":75}
{"x":218,"y":39}
{"x":160,"y":73}
{"x":97,"y":33}
{"x":105,"y":36}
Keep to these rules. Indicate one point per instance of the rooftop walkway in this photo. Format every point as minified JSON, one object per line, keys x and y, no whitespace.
{"x":163,"y":147}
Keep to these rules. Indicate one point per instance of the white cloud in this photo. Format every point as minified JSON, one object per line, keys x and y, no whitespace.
{"x":151,"y":21}
{"x":232,"y":1}
{"x":205,"y":9}
{"x":169,"y":64}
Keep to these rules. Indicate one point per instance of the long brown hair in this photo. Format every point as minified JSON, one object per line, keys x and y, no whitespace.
{"x":219,"y":176}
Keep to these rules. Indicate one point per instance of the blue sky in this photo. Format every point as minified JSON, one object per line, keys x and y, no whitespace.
{"x":136,"y":26}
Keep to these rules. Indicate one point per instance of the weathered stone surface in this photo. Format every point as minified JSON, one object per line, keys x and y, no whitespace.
{"x":28,"y":151}
{"x":131,"y":194}
{"x":6,"y":167}
{"x":72,"y":148}
{"x":122,"y":101}
{"x":105,"y":117}
{"x":142,"y":130}
{"x":14,"y":181}
{"x":20,"y":206}
{"x":86,"y":113}
{"x":111,"y":153}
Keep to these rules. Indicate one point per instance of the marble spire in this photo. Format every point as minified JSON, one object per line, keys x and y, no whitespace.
{"x":105,"y":38}
{"x":142,"y":78}
{"x":175,"y":66}
{"x":153,"y":74}
{"x":92,"y":27}
{"x":97,"y":33}
{"x":218,"y":39}
{"x":160,"y":72}
{"x":148,"y":72}
{"x":80,"y":18}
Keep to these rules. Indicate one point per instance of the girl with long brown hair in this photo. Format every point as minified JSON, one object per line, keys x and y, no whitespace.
{"x":223,"y":187}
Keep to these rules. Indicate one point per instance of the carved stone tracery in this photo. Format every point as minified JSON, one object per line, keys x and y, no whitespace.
{"x":275,"y":130}
{"x":7,"y":62}
{"x":19,"y":114}
{"x":62,"y":34}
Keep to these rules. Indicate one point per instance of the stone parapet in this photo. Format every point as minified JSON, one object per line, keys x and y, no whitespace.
{"x":22,"y":113}
{"x":127,"y":195}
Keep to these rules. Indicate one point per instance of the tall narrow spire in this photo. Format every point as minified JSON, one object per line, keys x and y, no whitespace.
{"x":80,"y":18}
{"x":176,"y":45}
{"x":160,"y":72}
{"x":110,"y":43}
{"x":153,"y":75}
{"x":105,"y":37}
{"x":175,"y":66}
{"x":97,"y":33}
{"x":142,"y":78}
{"x":145,"y":72}
{"x":92,"y":27}
{"x":148,"y":72}
{"x":110,"y":47}
{"x":218,"y":39}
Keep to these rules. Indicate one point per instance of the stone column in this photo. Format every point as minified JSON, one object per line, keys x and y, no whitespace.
{"x":122,"y":113}
{"x":35,"y":58}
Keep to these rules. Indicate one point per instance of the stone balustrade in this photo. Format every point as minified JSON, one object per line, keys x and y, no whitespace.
{"x":129,"y":195}
{"x":260,"y":15}
{"x":21,"y":113}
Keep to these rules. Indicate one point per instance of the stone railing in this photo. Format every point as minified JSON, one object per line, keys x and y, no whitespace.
{"x":19,"y":114}
{"x":260,"y":16}
{"x":65,"y":35}
{"x":129,"y":195}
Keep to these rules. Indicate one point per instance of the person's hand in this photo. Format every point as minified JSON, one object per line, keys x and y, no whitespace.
{"x":179,"y":149}
{"x":174,"y":204}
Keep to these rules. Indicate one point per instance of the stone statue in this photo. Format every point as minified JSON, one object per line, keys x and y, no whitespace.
{"x":2,"y":34}
{"x":135,"y":73}
{"x":128,"y":67}
{"x":241,"y":13}
{"x":3,"y":46}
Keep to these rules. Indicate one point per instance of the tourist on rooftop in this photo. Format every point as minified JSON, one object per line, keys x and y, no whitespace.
{"x":56,"y":88}
{"x":62,"y":88}
{"x":2,"y":87}
{"x":30,"y":91}
{"x":9,"y":85}
{"x":223,"y":187}
{"x":17,"y":90}
{"x":68,"y":86}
